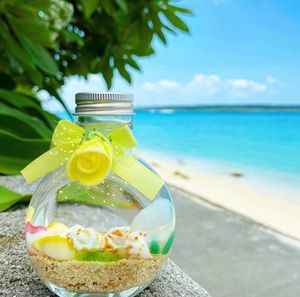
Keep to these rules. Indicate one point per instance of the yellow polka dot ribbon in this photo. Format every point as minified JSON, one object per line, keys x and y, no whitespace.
{"x":90,"y":156}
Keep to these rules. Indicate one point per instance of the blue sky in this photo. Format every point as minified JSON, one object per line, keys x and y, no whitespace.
{"x":238,"y":51}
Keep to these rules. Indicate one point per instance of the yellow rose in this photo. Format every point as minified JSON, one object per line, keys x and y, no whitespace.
{"x":90,"y":163}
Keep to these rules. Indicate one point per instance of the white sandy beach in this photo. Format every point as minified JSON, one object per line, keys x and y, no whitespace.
{"x":265,"y":208}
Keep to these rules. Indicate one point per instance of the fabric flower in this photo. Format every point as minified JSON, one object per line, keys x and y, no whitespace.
{"x":90,"y":163}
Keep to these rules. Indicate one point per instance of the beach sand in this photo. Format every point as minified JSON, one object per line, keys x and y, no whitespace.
{"x":226,"y":191}
{"x":95,"y":277}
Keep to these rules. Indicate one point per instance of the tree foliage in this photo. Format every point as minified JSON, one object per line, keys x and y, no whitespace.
{"x":44,"y":42}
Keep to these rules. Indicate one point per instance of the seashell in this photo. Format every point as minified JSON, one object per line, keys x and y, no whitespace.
{"x":137,"y":246}
{"x":156,"y":220}
{"x":83,"y":238}
{"x":57,"y":228}
{"x":55,"y":247}
{"x":115,"y":238}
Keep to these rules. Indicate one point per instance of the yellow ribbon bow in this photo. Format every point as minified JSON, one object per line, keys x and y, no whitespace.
{"x":90,"y":156}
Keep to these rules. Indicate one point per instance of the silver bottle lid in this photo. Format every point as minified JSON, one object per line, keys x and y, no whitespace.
{"x":104,"y":103}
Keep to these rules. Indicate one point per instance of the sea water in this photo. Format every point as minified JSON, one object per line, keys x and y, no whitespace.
{"x":260,"y":145}
{"x":264,"y":147}
{"x":265,"y":140}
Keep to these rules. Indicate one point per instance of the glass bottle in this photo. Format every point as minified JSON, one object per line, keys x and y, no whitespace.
{"x":103,"y":240}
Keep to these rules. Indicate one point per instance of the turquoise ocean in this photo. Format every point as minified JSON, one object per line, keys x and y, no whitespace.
{"x":264,"y":146}
{"x":266,"y":140}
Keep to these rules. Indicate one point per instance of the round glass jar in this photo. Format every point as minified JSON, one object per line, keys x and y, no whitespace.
{"x":102,"y":240}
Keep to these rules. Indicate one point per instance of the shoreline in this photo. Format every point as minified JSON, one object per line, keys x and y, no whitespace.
{"x":282,"y":185}
{"x":231,"y":193}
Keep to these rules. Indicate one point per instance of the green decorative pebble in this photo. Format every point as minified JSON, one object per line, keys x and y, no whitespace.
{"x":169,"y":243}
{"x":154,"y":247}
{"x":97,"y":256}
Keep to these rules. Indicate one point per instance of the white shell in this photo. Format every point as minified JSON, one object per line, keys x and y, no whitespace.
{"x":138,"y":245}
{"x":117,"y":241}
{"x":156,"y":220}
{"x":83,"y":238}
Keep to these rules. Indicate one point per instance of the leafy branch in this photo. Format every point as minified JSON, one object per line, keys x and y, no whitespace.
{"x":45,"y":42}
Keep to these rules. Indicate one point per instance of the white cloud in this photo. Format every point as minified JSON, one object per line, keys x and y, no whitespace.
{"x":163,"y":84}
{"x":208,"y":85}
{"x":239,"y":88}
{"x":204,"y":84}
{"x":271,"y":80}
{"x":249,"y":85}
{"x":201,"y":88}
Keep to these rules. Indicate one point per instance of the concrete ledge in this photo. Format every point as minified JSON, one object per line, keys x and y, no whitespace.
{"x":18,"y":279}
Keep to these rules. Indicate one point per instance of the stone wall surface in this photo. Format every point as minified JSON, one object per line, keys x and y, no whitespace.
{"x":18,"y":279}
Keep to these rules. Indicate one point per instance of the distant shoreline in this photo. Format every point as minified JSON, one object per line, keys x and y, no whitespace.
{"x":221,"y":108}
